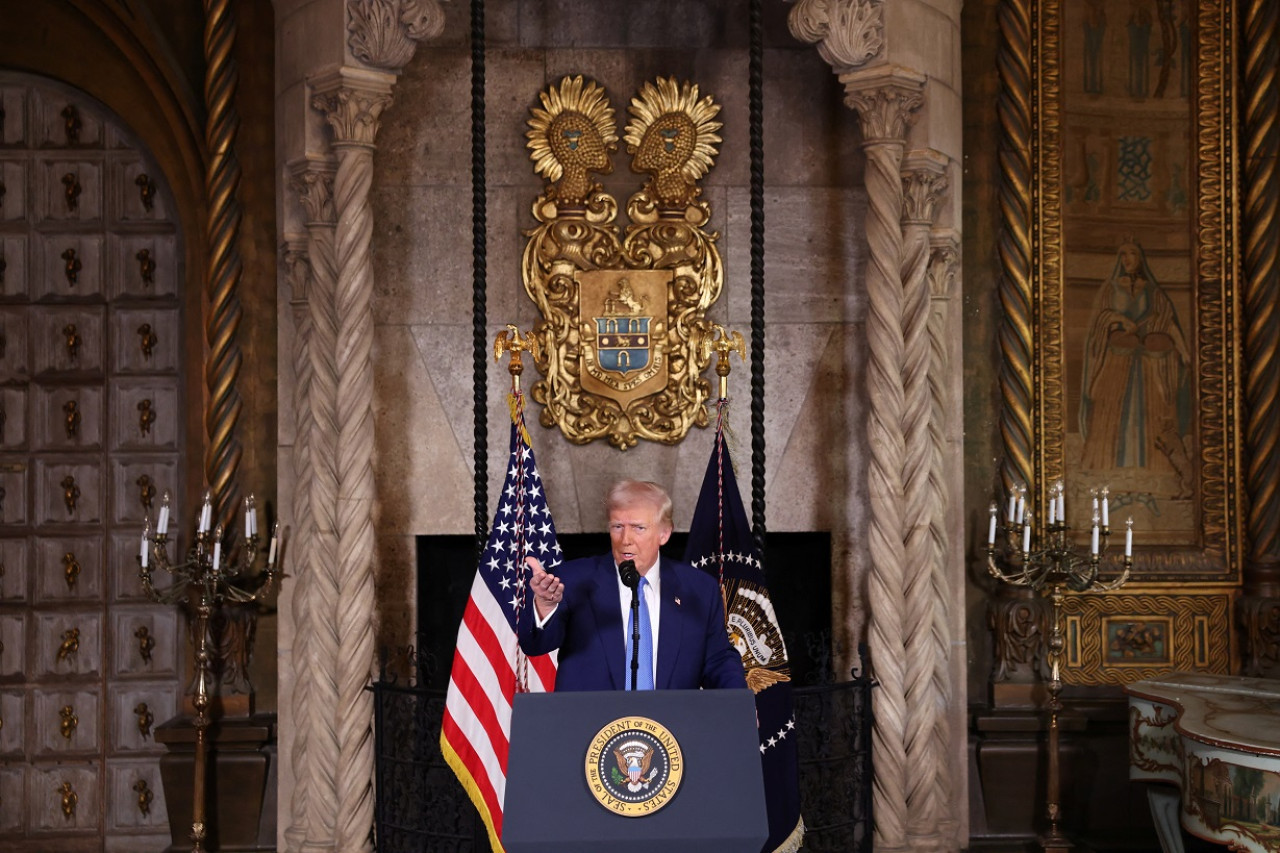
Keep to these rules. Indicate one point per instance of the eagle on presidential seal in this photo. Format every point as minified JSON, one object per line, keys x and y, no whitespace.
{"x":634,"y":758}
{"x":623,"y":307}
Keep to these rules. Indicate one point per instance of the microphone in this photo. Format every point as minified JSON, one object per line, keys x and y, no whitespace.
{"x":627,"y":571}
{"x":631,"y":577}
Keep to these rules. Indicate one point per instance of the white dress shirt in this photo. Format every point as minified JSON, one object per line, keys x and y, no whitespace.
{"x":653,"y":600}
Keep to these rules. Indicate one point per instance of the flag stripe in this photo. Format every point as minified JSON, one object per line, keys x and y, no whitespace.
{"x":488,"y":668}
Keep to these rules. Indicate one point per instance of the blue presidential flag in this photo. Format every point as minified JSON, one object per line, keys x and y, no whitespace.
{"x":721,"y":544}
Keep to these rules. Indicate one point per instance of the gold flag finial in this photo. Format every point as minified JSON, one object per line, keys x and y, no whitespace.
{"x":514,"y":342}
{"x":722,"y":342}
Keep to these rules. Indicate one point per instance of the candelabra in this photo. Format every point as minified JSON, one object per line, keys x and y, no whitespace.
{"x":1049,"y":564}
{"x":205,"y":579}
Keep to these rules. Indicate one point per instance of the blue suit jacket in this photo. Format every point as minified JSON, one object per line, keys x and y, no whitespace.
{"x":693,"y":645}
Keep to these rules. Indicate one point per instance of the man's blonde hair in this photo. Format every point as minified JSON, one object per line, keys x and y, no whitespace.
{"x":625,"y":493}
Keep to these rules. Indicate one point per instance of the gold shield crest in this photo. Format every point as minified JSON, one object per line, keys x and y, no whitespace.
{"x":623,"y":309}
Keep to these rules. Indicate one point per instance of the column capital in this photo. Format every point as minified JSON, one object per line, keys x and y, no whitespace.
{"x":385,"y":33}
{"x":944,"y":264}
{"x":885,"y":98}
{"x":924,"y":180}
{"x":312,"y":179}
{"x":352,"y":100}
{"x":849,"y":33}
{"x":297,"y":265}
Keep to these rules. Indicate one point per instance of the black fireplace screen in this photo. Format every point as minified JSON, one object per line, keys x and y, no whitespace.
{"x":421,"y":808}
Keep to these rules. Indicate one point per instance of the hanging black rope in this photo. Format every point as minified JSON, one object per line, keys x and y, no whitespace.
{"x":479,"y":319}
{"x":755,"y":83}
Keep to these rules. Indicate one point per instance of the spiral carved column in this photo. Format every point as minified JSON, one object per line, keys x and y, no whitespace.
{"x":352,"y":102}
{"x":1259,"y":608}
{"x":885,"y":98}
{"x":315,"y":597}
{"x":948,"y":586}
{"x":923,"y":182}
{"x":222,"y":181}
{"x":298,"y":273}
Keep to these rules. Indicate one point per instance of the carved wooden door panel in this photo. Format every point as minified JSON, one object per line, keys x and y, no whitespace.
{"x":90,"y":438}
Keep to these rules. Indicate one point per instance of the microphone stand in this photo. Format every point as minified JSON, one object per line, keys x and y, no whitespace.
{"x":631,"y":577}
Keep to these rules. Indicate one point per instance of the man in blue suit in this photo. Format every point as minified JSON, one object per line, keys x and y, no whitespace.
{"x":586,"y":611}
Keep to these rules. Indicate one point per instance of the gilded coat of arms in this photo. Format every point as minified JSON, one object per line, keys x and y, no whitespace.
{"x":623,"y":309}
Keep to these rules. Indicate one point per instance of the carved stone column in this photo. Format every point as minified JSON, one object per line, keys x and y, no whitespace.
{"x":923,"y":182}
{"x":297,"y":274}
{"x":1259,"y":607}
{"x":352,"y":102}
{"x":947,"y":570}
{"x":315,"y":597}
{"x":885,"y":99}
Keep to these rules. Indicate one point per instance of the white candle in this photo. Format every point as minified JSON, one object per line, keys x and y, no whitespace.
{"x":271,"y":552}
{"x":1128,"y":538}
{"x":1013,"y":501}
{"x":1053,"y":510}
{"x":1106,"y":516}
{"x":1026,"y":535}
{"x":205,"y":511}
{"x":991,"y":527}
{"x":1093,"y":540}
{"x":1022,"y":508}
{"x":217,"y":555}
{"x":1055,"y":669}
{"x":1062,"y":508}
{"x":162,"y":524}
{"x":142,"y":554}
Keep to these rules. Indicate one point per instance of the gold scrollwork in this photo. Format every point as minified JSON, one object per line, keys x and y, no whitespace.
{"x":146,"y":643}
{"x":70,"y":493}
{"x":146,"y":266}
{"x":72,"y":421}
{"x":144,"y":796}
{"x":72,"y":267}
{"x":73,"y":341}
{"x":70,"y":643}
{"x":622,"y":312}
{"x":147,"y":189}
{"x":69,"y":799}
{"x":67,"y":721}
{"x":146,"y":491}
{"x":71,"y":190}
{"x":146,"y":416}
{"x":70,"y":569}
{"x":145,"y":719}
{"x":147,"y":340}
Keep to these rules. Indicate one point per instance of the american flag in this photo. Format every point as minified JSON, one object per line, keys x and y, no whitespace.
{"x":721,"y":544}
{"x":488,"y":667}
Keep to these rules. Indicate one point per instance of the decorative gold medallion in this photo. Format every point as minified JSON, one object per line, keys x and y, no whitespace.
{"x":634,"y":766}
{"x":623,"y":313}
